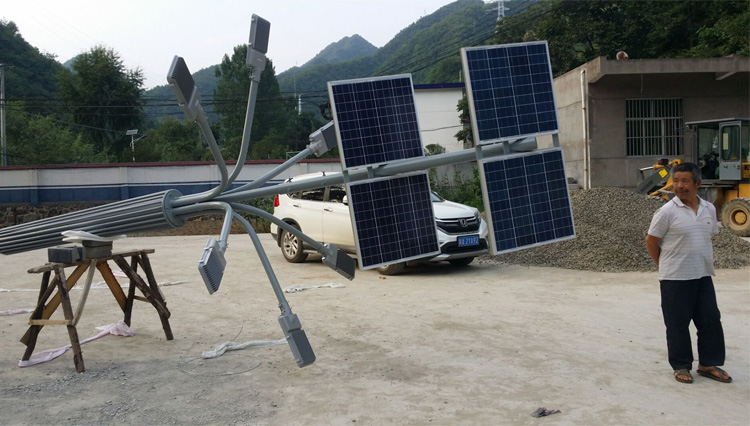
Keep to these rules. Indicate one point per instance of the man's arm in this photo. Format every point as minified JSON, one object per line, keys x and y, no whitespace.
{"x":652,"y":246}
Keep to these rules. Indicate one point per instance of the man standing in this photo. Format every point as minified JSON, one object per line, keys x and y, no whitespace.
{"x":679,"y":241}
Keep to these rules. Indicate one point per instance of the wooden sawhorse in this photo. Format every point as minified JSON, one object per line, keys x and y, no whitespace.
{"x":53,"y":294}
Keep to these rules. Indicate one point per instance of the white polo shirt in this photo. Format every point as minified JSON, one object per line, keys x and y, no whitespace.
{"x":686,"y":249}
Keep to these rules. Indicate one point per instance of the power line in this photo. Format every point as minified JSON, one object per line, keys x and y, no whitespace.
{"x":83,"y":125}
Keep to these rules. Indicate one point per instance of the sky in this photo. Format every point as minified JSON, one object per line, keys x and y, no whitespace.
{"x":148,"y":33}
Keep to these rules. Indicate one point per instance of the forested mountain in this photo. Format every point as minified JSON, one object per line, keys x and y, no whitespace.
{"x":29,"y":73}
{"x":205,"y":79}
{"x":420,"y":48}
{"x":430,"y":47}
{"x":346,"y":49}
{"x":69,"y":63}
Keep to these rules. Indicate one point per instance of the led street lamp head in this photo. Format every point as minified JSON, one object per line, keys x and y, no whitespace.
{"x":257,"y":46}
{"x":339,"y":261}
{"x":259,"y":31}
{"x":323,"y":139}
{"x":211,"y":265}
{"x":182,"y":83}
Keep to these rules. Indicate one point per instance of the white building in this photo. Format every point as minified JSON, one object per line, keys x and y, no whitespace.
{"x":436,"y":111}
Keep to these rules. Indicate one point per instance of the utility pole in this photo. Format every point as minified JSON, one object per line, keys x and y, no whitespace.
{"x":2,"y":117}
{"x":133,"y":140}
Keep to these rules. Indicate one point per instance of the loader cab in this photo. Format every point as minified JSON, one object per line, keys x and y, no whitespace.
{"x":721,"y":147}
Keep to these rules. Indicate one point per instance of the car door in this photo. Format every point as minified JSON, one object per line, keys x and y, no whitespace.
{"x":337,"y":225}
{"x":730,"y":135}
{"x":307,"y":207}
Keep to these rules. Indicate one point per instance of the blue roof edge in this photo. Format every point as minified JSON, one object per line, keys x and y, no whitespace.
{"x":439,"y":86}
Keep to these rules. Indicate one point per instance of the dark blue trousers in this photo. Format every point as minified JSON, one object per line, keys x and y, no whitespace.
{"x":681,"y":302}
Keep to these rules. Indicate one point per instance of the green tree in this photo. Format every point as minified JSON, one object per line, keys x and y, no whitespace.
{"x":269,"y":149}
{"x":291,"y":136}
{"x":230,"y":101}
{"x":729,"y":33}
{"x":29,"y":72}
{"x":172,"y":140}
{"x":447,"y":70}
{"x":104,"y":99}
{"x":434,"y":149}
{"x":36,"y":139}
{"x":297,"y":129}
{"x":579,"y":31}
{"x":464,"y":135}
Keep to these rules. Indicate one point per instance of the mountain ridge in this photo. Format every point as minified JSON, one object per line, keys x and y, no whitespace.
{"x":349,"y":47}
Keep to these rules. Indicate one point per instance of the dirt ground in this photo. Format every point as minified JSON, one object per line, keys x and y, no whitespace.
{"x":486,"y":344}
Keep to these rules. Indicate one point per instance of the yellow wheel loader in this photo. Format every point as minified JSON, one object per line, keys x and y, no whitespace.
{"x":722,"y":150}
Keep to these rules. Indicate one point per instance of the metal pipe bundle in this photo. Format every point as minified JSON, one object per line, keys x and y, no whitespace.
{"x":146,"y":213}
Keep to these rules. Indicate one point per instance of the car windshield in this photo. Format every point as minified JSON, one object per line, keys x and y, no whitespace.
{"x":436,"y":198}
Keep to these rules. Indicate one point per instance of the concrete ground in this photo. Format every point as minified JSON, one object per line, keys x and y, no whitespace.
{"x":486,"y":344}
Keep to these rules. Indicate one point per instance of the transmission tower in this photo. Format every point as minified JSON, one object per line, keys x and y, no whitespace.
{"x":501,"y":10}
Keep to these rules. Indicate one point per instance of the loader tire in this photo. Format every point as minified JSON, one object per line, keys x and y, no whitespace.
{"x":735,"y":216}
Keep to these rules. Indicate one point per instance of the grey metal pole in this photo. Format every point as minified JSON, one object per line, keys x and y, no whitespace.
{"x":395,"y":167}
{"x":290,"y":323}
{"x":273,"y":173}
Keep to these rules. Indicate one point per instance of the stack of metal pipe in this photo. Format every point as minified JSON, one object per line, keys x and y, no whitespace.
{"x":145,"y":213}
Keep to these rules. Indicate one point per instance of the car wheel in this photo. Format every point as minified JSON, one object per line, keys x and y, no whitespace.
{"x":393,"y":269}
{"x":462,"y":261}
{"x":291,"y":248}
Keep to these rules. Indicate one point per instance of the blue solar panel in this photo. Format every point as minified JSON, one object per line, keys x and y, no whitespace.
{"x":528,"y":201}
{"x":510,"y":91}
{"x":375,"y":119}
{"x":393,"y":220}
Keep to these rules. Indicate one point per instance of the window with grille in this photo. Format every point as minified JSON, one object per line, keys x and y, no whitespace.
{"x":653,"y":127}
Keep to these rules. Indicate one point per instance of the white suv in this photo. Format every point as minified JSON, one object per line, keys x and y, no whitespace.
{"x":323,"y":214}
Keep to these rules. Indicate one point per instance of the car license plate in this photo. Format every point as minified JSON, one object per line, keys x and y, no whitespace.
{"x":468,"y":240}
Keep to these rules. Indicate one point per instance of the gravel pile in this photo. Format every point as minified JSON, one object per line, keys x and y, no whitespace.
{"x":611,"y":226}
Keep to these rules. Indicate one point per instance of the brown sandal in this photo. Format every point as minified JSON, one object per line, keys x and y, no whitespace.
{"x":709,"y":372}
{"x":683,"y":372}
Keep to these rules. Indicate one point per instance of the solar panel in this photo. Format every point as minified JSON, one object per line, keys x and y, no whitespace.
{"x":375,"y":119}
{"x":510,"y":91}
{"x":393,"y":220}
{"x":527,"y":200}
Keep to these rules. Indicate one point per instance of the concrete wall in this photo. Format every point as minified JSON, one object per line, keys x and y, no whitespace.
{"x":570,"y":118}
{"x":112,"y":182}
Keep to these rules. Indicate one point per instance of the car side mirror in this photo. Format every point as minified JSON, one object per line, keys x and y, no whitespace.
{"x":345,"y":200}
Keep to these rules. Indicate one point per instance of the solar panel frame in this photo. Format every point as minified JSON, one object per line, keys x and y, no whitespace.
{"x":527,"y":200}
{"x":393,"y":219}
{"x":375,"y":119}
{"x":510,"y":91}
